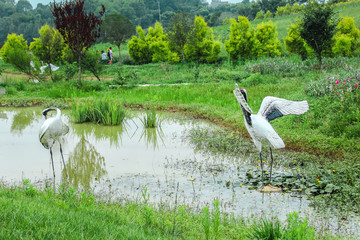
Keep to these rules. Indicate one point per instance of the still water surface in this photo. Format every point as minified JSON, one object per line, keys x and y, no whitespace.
{"x":118,"y":162}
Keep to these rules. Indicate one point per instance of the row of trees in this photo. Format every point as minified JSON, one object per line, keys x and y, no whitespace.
{"x":317,"y":33}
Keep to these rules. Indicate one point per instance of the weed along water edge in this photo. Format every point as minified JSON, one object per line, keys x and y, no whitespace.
{"x":174,"y":163}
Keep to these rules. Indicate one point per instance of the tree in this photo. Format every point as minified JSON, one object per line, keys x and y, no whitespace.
{"x":181,"y":25}
{"x":92,"y":63}
{"x":268,"y":15}
{"x":347,"y":38}
{"x":318,"y":27}
{"x":294,"y":43}
{"x":138,"y":48}
{"x":201,"y":46}
{"x":78,"y":28}
{"x":152,"y":47}
{"x":266,"y":41}
{"x":241,"y":42}
{"x":49,"y":46}
{"x":15,"y":51}
{"x":117,"y":29}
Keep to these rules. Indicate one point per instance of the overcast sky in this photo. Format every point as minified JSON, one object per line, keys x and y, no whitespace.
{"x":34,"y":3}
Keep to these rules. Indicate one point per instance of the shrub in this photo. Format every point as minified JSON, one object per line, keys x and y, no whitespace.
{"x":347,"y":38}
{"x":69,"y":70}
{"x":266,"y":42}
{"x":91,"y":63}
{"x":15,"y":52}
{"x":294,"y":43}
{"x":152,"y":47}
{"x":241,"y":41}
{"x":201,"y":46}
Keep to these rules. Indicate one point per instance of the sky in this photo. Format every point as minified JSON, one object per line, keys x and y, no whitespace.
{"x":34,"y":3}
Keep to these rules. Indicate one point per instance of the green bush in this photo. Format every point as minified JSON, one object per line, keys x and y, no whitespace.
{"x":266,"y":42}
{"x":70,"y":69}
{"x":201,"y":46}
{"x":294,"y":43}
{"x":15,"y":52}
{"x":241,"y":42}
{"x":347,"y":38}
{"x":152,"y":47}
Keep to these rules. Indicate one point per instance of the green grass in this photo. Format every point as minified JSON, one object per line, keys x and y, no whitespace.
{"x":284,"y":22}
{"x":103,"y":111}
{"x":210,"y":96}
{"x":152,"y":119}
{"x":30,"y":213}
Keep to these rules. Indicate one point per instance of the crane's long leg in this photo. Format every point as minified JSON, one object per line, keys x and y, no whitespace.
{"x":52,"y":161}
{"x":272,"y":159}
{"x":261,"y":164}
{"x":62,"y":156}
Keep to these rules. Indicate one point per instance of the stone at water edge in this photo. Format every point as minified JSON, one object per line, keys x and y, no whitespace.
{"x":269,"y":189}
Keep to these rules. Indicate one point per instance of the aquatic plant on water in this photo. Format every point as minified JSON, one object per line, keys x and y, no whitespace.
{"x":103,"y":111}
{"x":152,"y":119}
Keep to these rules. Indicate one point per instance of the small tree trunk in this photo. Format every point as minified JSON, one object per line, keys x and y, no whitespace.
{"x":182,"y":54}
{"x":120,"y":55}
{"x":51,"y":76}
{"x":79,"y":69}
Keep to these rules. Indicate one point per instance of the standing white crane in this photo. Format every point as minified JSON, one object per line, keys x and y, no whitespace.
{"x":258,"y":125}
{"x":53,"y":129}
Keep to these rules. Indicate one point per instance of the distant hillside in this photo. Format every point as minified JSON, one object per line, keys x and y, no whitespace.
{"x":350,"y":10}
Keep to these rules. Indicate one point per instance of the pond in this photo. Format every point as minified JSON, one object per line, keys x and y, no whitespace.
{"x":121,"y":162}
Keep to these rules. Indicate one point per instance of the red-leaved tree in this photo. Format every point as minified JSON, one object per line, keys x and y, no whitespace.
{"x":78,"y":28}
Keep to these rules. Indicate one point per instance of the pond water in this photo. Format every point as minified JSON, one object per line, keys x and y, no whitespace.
{"x":119,"y":162}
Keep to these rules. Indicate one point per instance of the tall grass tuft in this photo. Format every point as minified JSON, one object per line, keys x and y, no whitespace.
{"x":152,"y":119}
{"x":98,"y":111}
{"x":266,"y":229}
{"x":206,"y":222}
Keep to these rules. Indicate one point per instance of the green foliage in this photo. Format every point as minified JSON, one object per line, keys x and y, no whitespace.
{"x":268,"y":15}
{"x":318,"y":26}
{"x":15,"y":51}
{"x":347,"y":38}
{"x":67,"y":55}
{"x":159,"y":46}
{"x":289,"y":9}
{"x":266,"y":229}
{"x":181,"y":25}
{"x":49,"y":46}
{"x":266,"y":42}
{"x":70,"y":69}
{"x":294,"y":43}
{"x":259,"y":15}
{"x":205,"y":221}
{"x":138,"y":48}
{"x":151,"y":48}
{"x":152,"y":119}
{"x":98,"y":111}
{"x":201,"y":46}
{"x":117,"y":29}
{"x":91,"y":62}
{"x":241,"y":42}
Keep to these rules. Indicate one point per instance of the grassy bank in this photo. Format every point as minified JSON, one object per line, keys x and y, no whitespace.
{"x":330,"y":128}
{"x":40,"y":214}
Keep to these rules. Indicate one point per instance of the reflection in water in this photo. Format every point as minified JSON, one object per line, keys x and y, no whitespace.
{"x":22,"y":119}
{"x":85,"y":164}
{"x":101,"y":133}
{"x":3,"y":115}
{"x":152,"y":137}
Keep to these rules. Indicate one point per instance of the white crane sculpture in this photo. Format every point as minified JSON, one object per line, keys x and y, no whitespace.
{"x":258,"y":125}
{"x":53,"y":129}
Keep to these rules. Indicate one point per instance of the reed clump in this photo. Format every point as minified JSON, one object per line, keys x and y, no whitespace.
{"x":104,"y":111}
{"x":152,"y":119}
